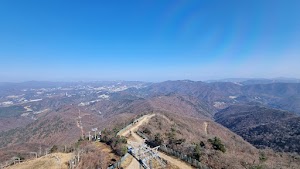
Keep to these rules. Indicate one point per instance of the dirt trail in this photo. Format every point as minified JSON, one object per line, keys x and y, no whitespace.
{"x":205,"y":127}
{"x":79,"y":122}
{"x":134,"y":128}
{"x":137,"y":139}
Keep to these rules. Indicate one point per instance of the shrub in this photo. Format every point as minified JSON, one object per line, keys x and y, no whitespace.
{"x":197,"y":152}
{"x":20,"y":156}
{"x":179,"y":141}
{"x":217,"y":144}
{"x":117,"y":143}
{"x":256,"y":167}
{"x":262,"y":157}
{"x":54,"y":149}
{"x":147,"y":131}
{"x":92,"y":157}
{"x":202,"y":144}
{"x":120,"y":149}
{"x":158,"y":139}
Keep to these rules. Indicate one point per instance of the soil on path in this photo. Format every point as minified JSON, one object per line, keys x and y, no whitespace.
{"x":135,"y":139}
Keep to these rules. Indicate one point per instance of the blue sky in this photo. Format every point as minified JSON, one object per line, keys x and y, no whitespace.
{"x":148,"y":40}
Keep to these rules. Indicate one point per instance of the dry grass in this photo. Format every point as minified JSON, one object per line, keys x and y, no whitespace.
{"x":157,"y":165}
{"x":126,"y":162}
{"x":51,"y":161}
{"x":239,"y":153}
{"x":106,"y":149}
{"x":96,"y":155}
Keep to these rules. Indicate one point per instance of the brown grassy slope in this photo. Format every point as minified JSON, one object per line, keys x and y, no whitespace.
{"x":239,"y":153}
{"x":61,"y":127}
{"x":21,"y":150}
{"x":185,"y":105}
{"x":96,"y":155}
{"x":13,"y":122}
{"x":51,"y":161}
{"x":56,"y":128}
{"x":173,"y":103}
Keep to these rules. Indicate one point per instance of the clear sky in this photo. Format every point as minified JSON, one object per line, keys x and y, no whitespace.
{"x":148,"y":40}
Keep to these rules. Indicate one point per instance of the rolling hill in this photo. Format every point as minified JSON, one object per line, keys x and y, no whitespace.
{"x":259,"y":113}
{"x":263,"y":127}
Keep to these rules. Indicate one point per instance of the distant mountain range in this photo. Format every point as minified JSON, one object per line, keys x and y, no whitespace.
{"x":264,"y":112}
{"x":248,"y":81}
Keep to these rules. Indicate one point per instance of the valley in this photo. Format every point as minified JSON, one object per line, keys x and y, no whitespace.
{"x":191,"y":117}
{"x":171,"y":84}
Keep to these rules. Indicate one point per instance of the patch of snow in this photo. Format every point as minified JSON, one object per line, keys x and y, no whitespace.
{"x":118,"y":89}
{"x":35,"y":100}
{"x":237,"y":83}
{"x":99,"y":88}
{"x":13,"y":96}
{"x":42,"y":111}
{"x":232,"y":97}
{"x":88,"y":103}
{"x":103,"y":96}
{"x":7,"y":103}
{"x":24,"y":114}
{"x":81,"y":104}
{"x":219,"y":104}
{"x":27,"y":108}
{"x":22,"y":99}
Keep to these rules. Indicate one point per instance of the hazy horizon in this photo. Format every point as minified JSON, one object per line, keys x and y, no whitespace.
{"x":148,"y":40}
{"x":240,"y":79}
